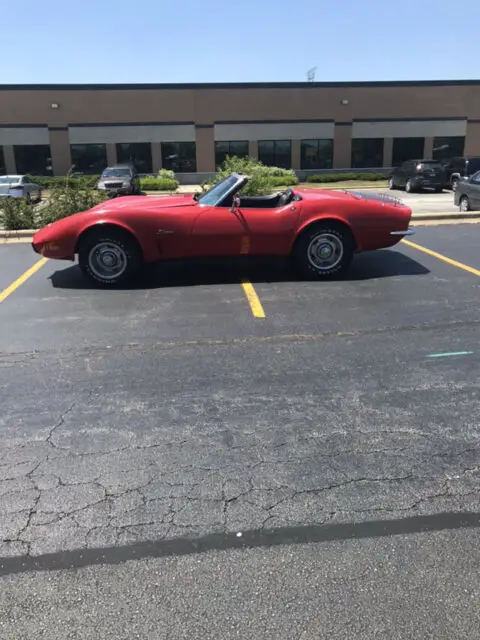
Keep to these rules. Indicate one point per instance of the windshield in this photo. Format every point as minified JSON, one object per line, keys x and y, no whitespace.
{"x":218,"y":192}
{"x":117,"y":173}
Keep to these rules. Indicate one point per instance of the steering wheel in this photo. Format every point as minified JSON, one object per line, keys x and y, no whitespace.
{"x":286,"y":197}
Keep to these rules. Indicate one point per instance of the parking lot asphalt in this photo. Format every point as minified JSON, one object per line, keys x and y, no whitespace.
{"x":173,"y":466}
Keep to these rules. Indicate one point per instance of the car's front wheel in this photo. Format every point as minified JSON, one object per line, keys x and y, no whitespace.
{"x":409,"y":186}
{"x":324,"y":250}
{"x":109,"y":257}
{"x":391,"y":183}
{"x":464,"y":204}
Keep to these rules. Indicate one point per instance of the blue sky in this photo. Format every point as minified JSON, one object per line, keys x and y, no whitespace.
{"x":57,"y":41}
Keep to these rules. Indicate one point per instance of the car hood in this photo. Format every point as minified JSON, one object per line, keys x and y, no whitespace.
{"x":142,"y":203}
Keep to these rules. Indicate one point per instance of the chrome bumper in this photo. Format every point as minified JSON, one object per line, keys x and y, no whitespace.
{"x":408,"y":232}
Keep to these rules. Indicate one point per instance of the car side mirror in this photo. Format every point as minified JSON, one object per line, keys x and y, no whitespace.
{"x":235,"y":204}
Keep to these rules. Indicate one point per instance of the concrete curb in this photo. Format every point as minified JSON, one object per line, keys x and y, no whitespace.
{"x":26,"y":235}
{"x":21,"y":234}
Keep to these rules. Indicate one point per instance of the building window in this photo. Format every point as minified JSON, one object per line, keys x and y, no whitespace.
{"x":89,"y":158}
{"x":179,"y":156}
{"x":137,"y":153}
{"x":448,"y":147}
{"x":275,"y":153}
{"x":34,"y":159}
{"x":407,"y":149}
{"x":316,"y":154}
{"x":3,"y":169}
{"x":238,"y":148}
{"x":367,"y":153}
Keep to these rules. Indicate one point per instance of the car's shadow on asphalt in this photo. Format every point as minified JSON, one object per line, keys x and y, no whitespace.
{"x":366,"y":266}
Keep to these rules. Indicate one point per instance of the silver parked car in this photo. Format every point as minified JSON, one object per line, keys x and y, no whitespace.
{"x":20,"y":187}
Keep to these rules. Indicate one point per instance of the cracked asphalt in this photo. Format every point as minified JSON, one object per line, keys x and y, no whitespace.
{"x":172,"y":467}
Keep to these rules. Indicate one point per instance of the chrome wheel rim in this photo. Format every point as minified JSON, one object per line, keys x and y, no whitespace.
{"x":325,"y":251}
{"x":390,"y":183}
{"x":408,"y":186}
{"x":463,"y":204}
{"x":107,"y":260}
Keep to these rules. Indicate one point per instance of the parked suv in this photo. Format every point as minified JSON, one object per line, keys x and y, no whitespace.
{"x":457,"y":168}
{"x":415,"y":175}
{"x":121,"y":179}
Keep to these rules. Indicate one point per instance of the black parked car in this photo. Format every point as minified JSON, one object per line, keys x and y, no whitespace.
{"x":457,"y":168}
{"x":467,"y":193}
{"x":121,"y":179}
{"x":415,"y":175}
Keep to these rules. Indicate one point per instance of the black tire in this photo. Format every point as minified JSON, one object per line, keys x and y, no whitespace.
{"x":391,"y":183}
{"x":303,"y":250}
{"x":28,"y":198}
{"x":117,"y":245}
{"x":409,"y":188}
{"x":39,"y":197}
{"x":464,"y":204}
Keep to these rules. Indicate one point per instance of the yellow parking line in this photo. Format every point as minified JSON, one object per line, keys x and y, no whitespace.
{"x":253,"y":299}
{"x":439,"y":256}
{"x":23,"y":278}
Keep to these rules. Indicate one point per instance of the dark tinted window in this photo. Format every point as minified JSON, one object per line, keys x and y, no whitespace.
{"x":275,"y":153}
{"x":34,"y":159}
{"x":367,"y":152}
{"x":473,"y":165}
{"x":429,"y":165}
{"x":447,"y":147}
{"x":406,"y":149}
{"x":238,"y":148}
{"x":180,"y":157}
{"x":139,"y":154}
{"x":89,"y":158}
{"x":316,"y":154}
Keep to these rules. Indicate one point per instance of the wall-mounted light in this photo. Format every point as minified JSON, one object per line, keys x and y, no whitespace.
{"x":54,"y":105}
{"x":344,"y":101}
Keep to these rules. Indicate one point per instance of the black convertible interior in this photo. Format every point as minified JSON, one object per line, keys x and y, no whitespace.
{"x":262,"y":202}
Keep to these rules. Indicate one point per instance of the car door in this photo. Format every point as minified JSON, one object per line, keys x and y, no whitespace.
{"x":473,"y":191}
{"x":401,"y":178}
{"x":217,"y":231}
{"x":268,"y":231}
{"x":237,"y":231}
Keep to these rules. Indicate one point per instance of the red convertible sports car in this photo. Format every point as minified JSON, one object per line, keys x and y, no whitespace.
{"x":320,"y":230}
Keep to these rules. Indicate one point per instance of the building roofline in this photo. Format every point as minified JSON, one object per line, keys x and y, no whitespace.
{"x":235,"y":85}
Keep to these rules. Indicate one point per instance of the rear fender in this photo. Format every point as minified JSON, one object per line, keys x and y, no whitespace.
{"x":325,"y":219}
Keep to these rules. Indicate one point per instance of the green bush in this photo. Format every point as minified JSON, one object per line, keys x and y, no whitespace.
{"x":158,"y":184}
{"x":50,"y":182}
{"x":17,"y":214}
{"x":262,"y":179}
{"x":342,"y":177}
{"x":69,"y":198}
{"x":166,"y":174}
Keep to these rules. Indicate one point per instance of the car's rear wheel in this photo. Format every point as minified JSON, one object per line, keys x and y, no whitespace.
{"x":464,"y":204}
{"x":409,"y":186}
{"x":109,"y":257}
{"x":324,"y":250}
